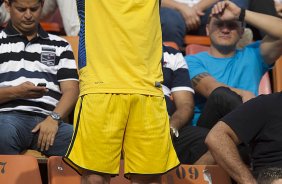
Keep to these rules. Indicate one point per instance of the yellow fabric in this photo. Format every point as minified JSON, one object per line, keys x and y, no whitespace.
{"x":99,"y":134}
{"x":123,"y":47}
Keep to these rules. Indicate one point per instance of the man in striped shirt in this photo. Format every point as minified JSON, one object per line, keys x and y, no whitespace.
{"x":38,"y":84}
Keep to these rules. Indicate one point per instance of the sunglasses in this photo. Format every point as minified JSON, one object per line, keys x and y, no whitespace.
{"x":227,"y":24}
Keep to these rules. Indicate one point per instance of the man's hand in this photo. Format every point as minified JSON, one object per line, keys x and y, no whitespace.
{"x":226,"y":10}
{"x":47,"y":132}
{"x":28,"y":90}
{"x":191,"y":16}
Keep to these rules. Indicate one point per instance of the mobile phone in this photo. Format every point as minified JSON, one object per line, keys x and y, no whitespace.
{"x":41,"y":84}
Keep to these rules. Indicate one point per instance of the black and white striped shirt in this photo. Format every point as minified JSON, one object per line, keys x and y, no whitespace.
{"x":45,"y":59}
{"x":176,"y":75}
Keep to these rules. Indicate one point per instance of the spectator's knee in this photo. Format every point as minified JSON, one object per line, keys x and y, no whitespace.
{"x":224,"y":96}
{"x":8,"y":140}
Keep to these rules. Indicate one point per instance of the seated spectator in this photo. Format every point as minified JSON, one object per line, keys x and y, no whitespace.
{"x":38,"y":84}
{"x":177,"y":86}
{"x":224,"y":77}
{"x":257,"y":122}
{"x":67,"y":10}
{"x":179,"y":17}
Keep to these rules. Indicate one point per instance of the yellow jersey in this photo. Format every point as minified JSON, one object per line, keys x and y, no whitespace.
{"x":120,"y":47}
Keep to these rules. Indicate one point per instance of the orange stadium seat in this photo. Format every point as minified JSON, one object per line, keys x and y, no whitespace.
{"x":265,"y":85}
{"x":61,"y":173}
{"x":51,"y":27}
{"x":197,"y":174}
{"x":195,"y":48}
{"x":73,"y":41}
{"x":42,"y":159}
{"x":171,"y":44}
{"x":277,"y":76}
{"x":19,"y":169}
{"x":195,"y":39}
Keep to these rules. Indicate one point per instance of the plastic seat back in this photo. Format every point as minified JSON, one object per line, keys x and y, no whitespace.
{"x":73,"y":41}
{"x":19,"y":169}
{"x":196,"y":39}
{"x":59,"y":172}
{"x":265,"y":84}
{"x":195,"y":48}
{"x":197,"y":174}
{"x":171,"y":44}
{"x":277,"y":76}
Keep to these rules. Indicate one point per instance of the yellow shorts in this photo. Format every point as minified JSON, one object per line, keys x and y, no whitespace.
{"x":107,"y":124}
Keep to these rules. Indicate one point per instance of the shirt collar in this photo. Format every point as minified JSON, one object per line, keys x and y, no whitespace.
{"x":11,"y":31}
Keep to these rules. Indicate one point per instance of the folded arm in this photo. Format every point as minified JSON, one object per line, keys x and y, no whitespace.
{"x":204,"y":84}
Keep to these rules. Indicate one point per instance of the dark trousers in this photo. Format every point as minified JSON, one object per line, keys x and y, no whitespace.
{"x":220,"y":102}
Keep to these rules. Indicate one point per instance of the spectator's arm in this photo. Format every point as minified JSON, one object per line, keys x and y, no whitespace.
{"x":68,"y":10}
{"x":70,"y":91}
{"x":49,"y":127}
{"x":4,"y":15}
{"x":204,"y":84}
{"x":26,"y":90}
{"x":191,"y":15}
{"x":222,"y":142}
{"x":184,"y":104}
{"x":272,"y":43}
{"x":205,"y":4}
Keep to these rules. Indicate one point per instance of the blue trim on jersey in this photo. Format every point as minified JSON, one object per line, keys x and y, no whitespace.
{"x":81,"y":46}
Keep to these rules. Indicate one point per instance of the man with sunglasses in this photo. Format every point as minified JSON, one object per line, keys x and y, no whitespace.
{"x":225,"y":77}
{"x":257,"y":122}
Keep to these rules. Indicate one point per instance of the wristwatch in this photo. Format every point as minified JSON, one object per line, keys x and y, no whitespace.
{"x":55,"y":116}
{"x":174,"y":131}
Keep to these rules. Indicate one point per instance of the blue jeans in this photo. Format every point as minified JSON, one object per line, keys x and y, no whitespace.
{"x":16,"y":135}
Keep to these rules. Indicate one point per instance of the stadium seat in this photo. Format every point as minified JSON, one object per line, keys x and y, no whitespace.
{"x":60,"y":173}
{"x":195,"y":39}
{"x":197,"y":174}
{"x":38,"y":155}
{"x":19,"y":169}
{"x":51,"y":27}
{"x":277,"y":76}
{"x":171,"y":44}
{"x":73,"y":41}
{"x":195,"y":48}
{"x":265,"y":85}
